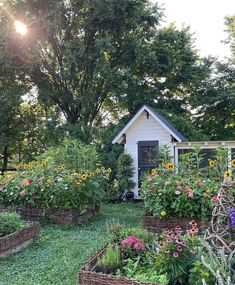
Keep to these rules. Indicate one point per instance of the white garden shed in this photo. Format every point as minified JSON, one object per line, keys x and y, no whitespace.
{"x":148,"y":130}
{"x":144,"y":132}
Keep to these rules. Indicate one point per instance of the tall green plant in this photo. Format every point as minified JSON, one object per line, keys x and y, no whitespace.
{"x":125,"y":171}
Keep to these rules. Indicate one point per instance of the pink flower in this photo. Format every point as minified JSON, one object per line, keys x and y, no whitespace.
{"x":149,"y":178}
{"x":30,"y":180}
{"x":179,"y":188}
{"x":166,"y":251}
{"x":201,"y":183}
{"x":192,"y":250}
{"x":214,"y":198}
{"x":40,"y":183}
{"x":178,"y":182}
{"x":190,"y":194}
{"x":187,"y":188}
{"x":152,"y":187}
{"x":177,"y":193}
{"x":169,"y":240}
{"x":179,"y":248}
{"x":175,"y":254}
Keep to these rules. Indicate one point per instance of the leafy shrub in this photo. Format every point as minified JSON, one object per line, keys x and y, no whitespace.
{"x":125,"y":171}
{"x":10,"y":222}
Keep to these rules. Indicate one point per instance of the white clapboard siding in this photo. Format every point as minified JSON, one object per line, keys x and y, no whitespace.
{"x":144,"y":129}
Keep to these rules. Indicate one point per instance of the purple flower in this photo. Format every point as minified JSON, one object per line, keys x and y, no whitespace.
{"x":231,"y":214}
{"x":177,"y":192}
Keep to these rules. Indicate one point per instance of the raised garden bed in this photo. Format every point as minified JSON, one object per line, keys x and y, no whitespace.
{"x":156,"y":224}
{"x":88,"y":275}
{"x":58,"y":216}
{"x":63,"y":216}
{"x":19,"y":240}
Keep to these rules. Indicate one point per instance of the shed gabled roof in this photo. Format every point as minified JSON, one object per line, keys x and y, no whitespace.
{"x":161,"y":120}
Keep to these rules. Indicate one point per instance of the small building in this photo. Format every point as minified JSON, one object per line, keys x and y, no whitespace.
{"x":148,"y":130}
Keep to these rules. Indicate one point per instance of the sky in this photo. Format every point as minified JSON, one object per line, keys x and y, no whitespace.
{"x":206,"y":19}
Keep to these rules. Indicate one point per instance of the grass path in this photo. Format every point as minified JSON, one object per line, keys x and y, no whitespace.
{"x":54,"y":259}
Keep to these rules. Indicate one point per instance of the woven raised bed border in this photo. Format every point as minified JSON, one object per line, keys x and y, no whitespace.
{"x":87,"y":276}
{"x":63,"y":217}
{"x":31,"y":213}
{"x":15,"y":240}
{"x":156,"y":224}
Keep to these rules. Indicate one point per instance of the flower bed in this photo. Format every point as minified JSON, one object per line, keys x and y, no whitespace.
{"x":88,"y":275}
{"x":136,"y":256}
{"x":18,"y":240}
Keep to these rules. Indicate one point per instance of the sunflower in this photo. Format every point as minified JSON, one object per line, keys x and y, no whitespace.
{"x":212,"y":163}
{"x":154,"y":171}
{"x":227,"y":174}
{"x":233,"y":163}
{"x":109,"y":170}
{"x":98,"y":170}
{"x":84,"y":177}
{"x":170,"y":166}
{"x":163,"y":213}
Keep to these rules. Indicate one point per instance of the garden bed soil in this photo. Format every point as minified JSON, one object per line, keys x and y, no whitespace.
{"x":156,"y":224}
{"x":88,"y":275}
{"x":18,"y":240}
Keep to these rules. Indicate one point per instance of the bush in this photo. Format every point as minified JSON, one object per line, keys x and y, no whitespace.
{"x":125,"y":171}
{"x":69,"y":176}
{"x":10,"y":222}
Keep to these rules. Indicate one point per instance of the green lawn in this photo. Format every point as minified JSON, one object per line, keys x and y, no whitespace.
{"x":60,"y":251}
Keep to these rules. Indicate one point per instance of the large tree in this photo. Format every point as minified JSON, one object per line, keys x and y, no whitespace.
{"x":93,"y":58}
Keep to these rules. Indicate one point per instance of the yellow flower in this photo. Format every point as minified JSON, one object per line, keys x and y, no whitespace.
{"x":211,"y":163}
{"x":109,"y":170}
{"x":78,"y":182}
{"x":233,"y":163}
{"x":84,"y":177}
{"x":62,"y":165}
{"x":160,"y":194}
{"x":163,"y":213}
{"x":208,"y":191}
{"x":227,"y":174}
{"x":154,"y":171}
{"x":205,"y":195}
{"x":49,"y":181}
{"x":98,"y":171}
{"x":170,"y":166}
{"x":79,"y":175}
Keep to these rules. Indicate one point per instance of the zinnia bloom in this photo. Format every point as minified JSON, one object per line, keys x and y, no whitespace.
{"x":175,"y":254}
{"x":214,"y":198}
{"x":177,"y":192}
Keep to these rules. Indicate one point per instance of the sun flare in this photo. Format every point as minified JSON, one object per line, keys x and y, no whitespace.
{"x":20,"y":27}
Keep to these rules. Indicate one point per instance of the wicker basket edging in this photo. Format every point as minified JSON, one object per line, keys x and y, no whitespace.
{"x":156,"y":224}
{"x":87,"y":275}
{"x":15,"y":241}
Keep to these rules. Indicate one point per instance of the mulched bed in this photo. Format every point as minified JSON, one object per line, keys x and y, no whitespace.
{"x":157,"y":224}
{"x":20,"y":239}
{"x":88,"y":275}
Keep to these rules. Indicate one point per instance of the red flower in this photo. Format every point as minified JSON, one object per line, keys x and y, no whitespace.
{"x":214,"y":198}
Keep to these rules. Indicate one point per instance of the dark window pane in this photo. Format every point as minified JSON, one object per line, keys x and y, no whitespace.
{"x":147,"y":155}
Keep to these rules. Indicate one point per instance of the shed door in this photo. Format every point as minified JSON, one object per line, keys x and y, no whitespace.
{"x":147,"y":157}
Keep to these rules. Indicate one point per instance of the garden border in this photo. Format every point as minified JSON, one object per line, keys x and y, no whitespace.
{"x":18,"y":240}
{"x":87,"y":275}
{"x":156,"y":224}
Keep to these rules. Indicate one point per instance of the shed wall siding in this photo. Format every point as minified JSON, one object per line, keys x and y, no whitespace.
{"x":144,"y":130}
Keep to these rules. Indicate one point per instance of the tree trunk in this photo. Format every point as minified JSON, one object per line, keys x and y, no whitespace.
{"x":5,"y":159}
